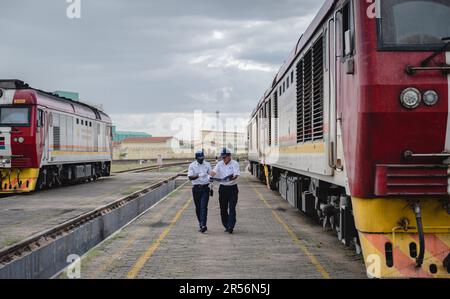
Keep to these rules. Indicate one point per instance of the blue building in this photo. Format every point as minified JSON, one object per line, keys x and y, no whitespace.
{"x":118,"y":136}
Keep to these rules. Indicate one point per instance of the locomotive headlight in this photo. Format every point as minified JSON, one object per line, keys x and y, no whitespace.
{"x":430,"y":98}
{"x":410,"y":98}
{"x":21,"y":139}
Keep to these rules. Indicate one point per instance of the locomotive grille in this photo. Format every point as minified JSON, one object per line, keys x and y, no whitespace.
{"x":318,"y":90}
{"x":310,"y":94}
{"x":56,"y":138}
{"x":21,"y":162}
{"x":270,"y":121}
{"x":307,"y":96}
{"x":275,"y":116}
{"x":300,"y":100}
{"x":411,"y":180}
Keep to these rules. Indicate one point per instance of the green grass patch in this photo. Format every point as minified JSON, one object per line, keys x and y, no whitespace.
{"x":11,"y":241}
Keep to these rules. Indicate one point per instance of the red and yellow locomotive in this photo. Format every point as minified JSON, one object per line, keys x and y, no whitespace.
{"x":355,"y":130}
{"x":47,"y":140}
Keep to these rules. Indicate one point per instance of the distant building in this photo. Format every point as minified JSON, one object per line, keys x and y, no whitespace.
{"x":213,"y":141}
{"x":150,"y":148}
{"x":75,"y":96}
{"x":121,"y":135}
{"x":68,"y":94}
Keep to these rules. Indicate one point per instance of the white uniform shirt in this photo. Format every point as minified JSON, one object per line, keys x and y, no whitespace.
{"x":223,"y":170}
{"x":196,"y":168}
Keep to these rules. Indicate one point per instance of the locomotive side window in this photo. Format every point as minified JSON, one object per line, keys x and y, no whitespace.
{"x":347,"y":29}
{"x":408,"y":24}
{"x":40,"y":118}
{"x":15,"y":116}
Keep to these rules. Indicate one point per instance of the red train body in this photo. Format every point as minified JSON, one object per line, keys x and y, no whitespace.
{"x":46,"y":140}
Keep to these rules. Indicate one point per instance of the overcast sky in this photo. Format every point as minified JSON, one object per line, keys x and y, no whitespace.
{"x":149,"y":62}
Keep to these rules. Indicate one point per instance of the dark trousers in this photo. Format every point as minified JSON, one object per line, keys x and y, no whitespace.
{"x":228,"y":198}
{"x":201,"y":200}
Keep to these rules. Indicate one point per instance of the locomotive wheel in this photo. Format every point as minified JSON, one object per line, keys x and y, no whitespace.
{"x":273,"y":181}
{"x":40,"y":184}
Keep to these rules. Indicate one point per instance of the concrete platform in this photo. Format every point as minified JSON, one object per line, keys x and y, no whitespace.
{"x":272,"y":240}
{"x":24,"y":215}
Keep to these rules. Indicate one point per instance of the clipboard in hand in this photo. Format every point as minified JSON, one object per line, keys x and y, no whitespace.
{"x":226,"y":179}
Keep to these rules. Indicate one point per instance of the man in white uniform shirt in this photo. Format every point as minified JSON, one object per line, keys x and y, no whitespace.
{"x":198,"y":174}
{"x":228,"y":172}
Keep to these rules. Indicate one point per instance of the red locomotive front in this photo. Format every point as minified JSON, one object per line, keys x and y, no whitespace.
{"x":392,"y":106}
{"x":20,"y":149}
{"x":47,"y":140}
{"x":365,"y":132}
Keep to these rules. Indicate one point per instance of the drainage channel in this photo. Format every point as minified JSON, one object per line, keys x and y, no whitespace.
{"x":46,"y":254}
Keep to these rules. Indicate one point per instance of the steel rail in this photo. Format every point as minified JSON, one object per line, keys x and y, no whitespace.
{"x":152,"y":167}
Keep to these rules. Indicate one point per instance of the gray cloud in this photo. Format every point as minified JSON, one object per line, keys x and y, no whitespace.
{"x":141,"y":56}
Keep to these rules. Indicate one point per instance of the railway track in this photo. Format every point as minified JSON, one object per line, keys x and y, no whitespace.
{"x":154,"y":167}
{"x":33,"y":243}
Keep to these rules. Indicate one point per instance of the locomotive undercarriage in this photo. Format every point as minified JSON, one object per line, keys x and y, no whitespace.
{"x":60,"y":175}
{"x":328,"y":204}
{"x":390,"y":238}
{"x":22,"y":180}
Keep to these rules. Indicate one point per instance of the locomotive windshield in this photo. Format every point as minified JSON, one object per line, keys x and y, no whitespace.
{"x":414,"y":24}
{"x":14,"y":116}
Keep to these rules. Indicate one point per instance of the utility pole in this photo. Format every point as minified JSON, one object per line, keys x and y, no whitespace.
{"x":216,"y":142}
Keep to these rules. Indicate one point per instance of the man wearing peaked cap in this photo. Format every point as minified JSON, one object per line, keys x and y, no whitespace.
{"x":198,"y":174}
{"x":228,"y":172}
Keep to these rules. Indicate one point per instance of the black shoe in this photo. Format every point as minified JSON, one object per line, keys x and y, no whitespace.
{"x":203,"y":229}
{"x":226,"y":230}
{"x":230,"y":230}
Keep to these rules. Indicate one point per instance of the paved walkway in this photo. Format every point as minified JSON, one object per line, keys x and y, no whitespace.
{"x":271,"y":240}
